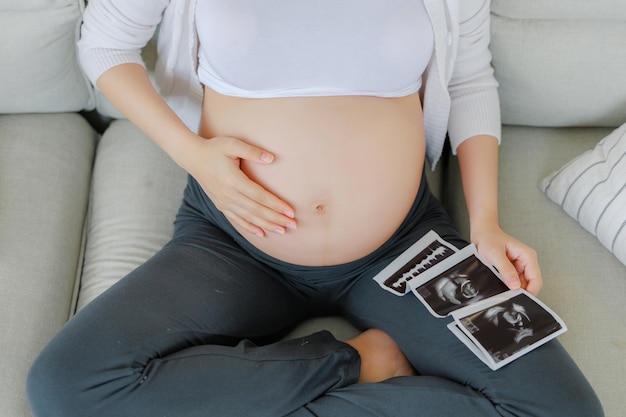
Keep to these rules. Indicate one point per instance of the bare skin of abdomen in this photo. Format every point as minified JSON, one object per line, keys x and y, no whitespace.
{"x":350,"y":166}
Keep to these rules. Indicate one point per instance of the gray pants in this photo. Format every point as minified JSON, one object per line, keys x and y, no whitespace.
{"x":195,"y":332}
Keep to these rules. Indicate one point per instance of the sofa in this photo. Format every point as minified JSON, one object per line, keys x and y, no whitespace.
{"x":85,"y":197}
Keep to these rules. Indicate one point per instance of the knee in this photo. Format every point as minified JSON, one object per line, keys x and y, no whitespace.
{"x":572,"y":398}
{"x":583,"y":403}
{"x":51,"y":387}
{"x":573,"y":395}
{"x":551,"y":385}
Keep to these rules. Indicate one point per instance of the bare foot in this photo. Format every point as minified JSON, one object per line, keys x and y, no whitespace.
{"x":381,"y":357}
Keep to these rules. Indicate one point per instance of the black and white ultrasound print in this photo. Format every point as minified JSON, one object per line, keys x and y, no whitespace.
{"x":421,"y":256}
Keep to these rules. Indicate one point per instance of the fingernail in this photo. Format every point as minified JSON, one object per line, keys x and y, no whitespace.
{"x":280,"y":230}
{"x":266,"y":157}
{"x":291,"y":225}
{"x":289,"y":213}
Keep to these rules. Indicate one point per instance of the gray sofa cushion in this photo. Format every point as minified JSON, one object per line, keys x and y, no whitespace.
{"x":45,"y":168}
{"x":39,"y":71}
{"x":574,"y":50}
{"x":136,"y":192}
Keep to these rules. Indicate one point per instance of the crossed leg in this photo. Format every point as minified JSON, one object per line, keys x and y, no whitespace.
{"x":172,"y":339}
{"x":450,"y":380}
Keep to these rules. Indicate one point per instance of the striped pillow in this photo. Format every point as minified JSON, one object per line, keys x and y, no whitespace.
{"x":592,"y":189}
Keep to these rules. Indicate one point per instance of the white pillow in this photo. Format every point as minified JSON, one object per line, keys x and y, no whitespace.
{"x":592,"y":189}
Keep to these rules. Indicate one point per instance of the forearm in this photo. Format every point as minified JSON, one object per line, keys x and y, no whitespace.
{"x":478,"y":161}
{"x":130,"y":90}
{"x":516,"y":262}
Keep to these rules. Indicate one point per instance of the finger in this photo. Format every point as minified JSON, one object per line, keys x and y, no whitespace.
{"x":527,"y":265}
{"x":238,"y":220}
{"x":236,"y":149}
{"x":534,"y":286}
{"x":532,"y":276}
{"x":270,"y":207}
{"x":506,"y":269}
{"x":252,"y":215}
{"x":509,"y":274}
{"x":523,"y":282}
{"x":260,"y":216}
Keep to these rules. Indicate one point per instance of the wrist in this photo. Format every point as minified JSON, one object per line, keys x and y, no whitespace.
{"x":184,"y":150}
{"x":483,"y":223}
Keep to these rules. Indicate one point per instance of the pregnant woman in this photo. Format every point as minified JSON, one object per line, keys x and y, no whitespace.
{"x":304,"y":126}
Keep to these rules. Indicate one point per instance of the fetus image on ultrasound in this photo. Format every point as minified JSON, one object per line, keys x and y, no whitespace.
{"x":511,"y":326}
{"x":430,"y":256}
{"x":465,"y":283}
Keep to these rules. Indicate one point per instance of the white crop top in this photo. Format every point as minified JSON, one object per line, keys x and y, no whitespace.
{"x":288,"y":48}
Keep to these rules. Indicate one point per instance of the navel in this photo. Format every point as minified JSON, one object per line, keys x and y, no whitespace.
{"x":320,"y":208}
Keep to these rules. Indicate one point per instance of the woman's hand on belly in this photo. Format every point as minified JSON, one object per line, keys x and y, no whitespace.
{"x":217,"y":168}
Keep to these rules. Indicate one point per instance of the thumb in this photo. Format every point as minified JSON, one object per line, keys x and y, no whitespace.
{"x":506,"y":269}
{"x":508,"y":272}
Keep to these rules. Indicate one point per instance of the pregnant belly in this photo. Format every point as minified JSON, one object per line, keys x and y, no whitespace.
{"x":349,"y":166}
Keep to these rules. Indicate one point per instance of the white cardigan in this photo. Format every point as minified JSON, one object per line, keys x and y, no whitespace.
{"x":459,"y":89}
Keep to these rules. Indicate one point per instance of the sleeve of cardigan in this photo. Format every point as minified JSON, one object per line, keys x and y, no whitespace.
{"x":475,"y":106}
{"x":115,"y":31}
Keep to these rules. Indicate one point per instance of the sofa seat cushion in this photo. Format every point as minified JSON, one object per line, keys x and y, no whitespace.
{"x":45,"y":168}
{"x":136,"y":192}
{"x":592,"y":189}
{"x":39,"y":71}
{"x":584,"y":283}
